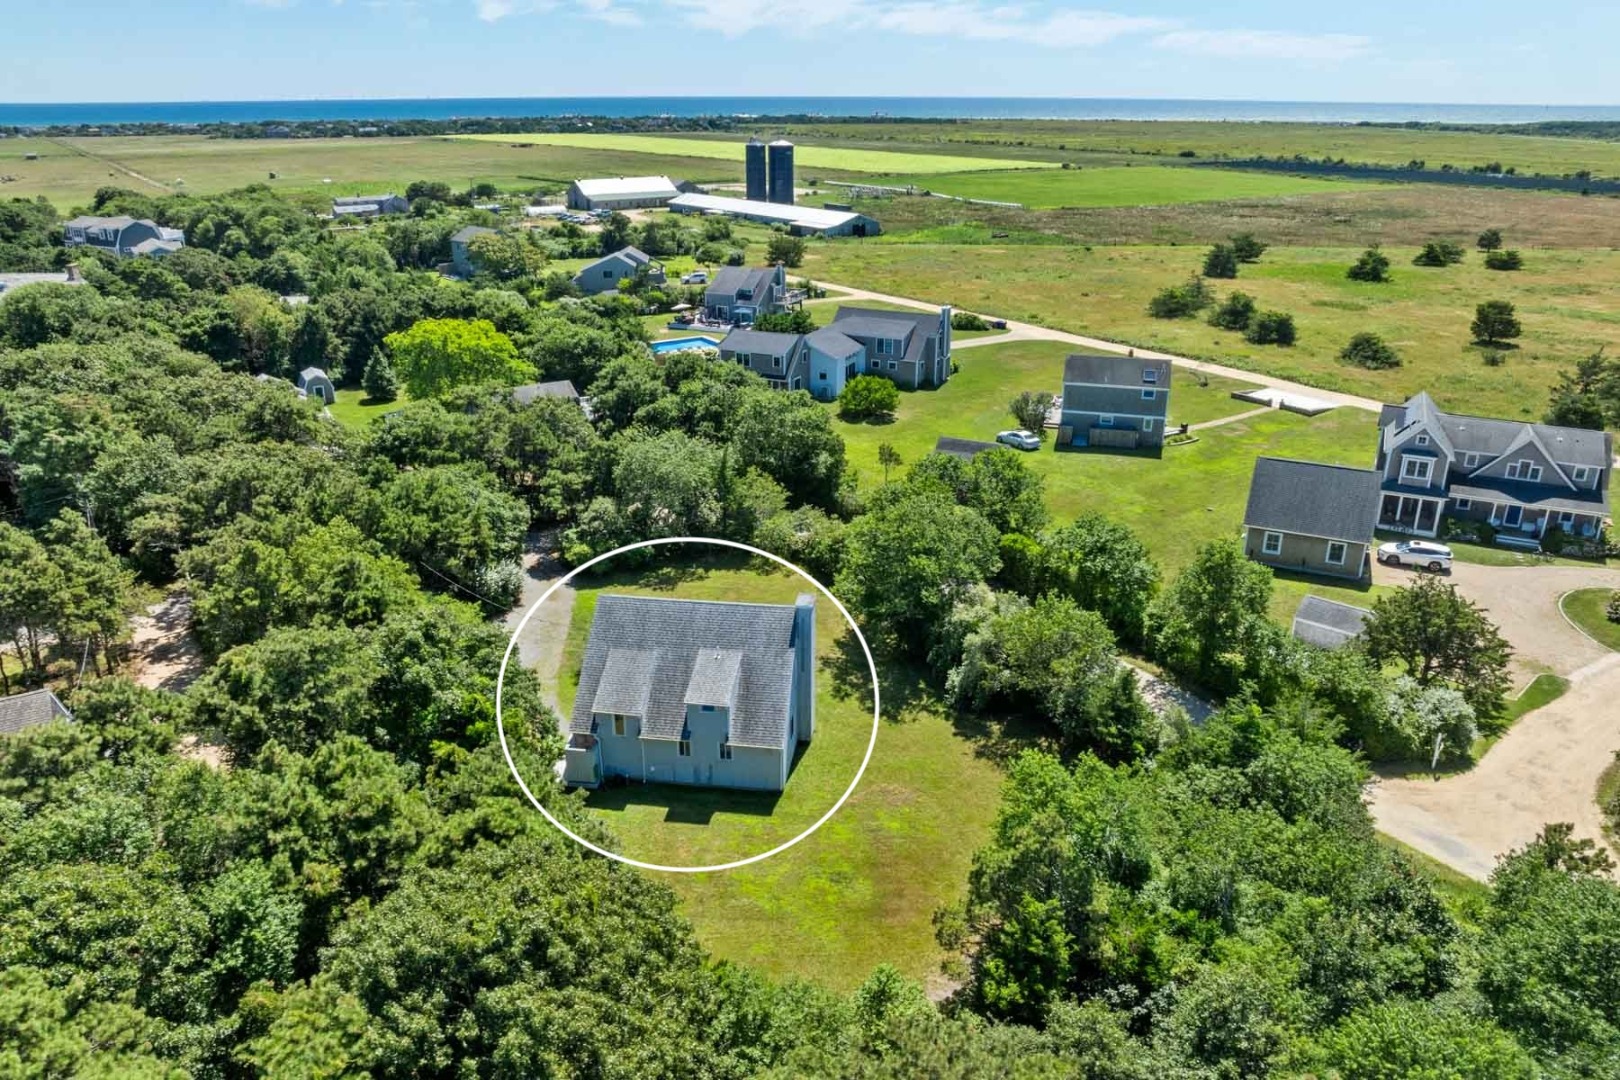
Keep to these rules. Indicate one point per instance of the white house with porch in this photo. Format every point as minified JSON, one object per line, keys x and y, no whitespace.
{"x":1522,"y":478}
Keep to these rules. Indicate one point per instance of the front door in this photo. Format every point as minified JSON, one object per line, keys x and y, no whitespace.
{"x":1512,"y":516}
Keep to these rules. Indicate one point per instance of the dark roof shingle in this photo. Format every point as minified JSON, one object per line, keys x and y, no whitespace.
{"x":19,"y":712}
{"x":1333,"y":502}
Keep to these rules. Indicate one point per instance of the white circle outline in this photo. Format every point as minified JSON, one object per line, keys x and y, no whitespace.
{"x":500,"y":728}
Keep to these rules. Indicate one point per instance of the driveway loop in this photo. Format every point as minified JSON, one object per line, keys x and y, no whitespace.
{"x":500,"y":727}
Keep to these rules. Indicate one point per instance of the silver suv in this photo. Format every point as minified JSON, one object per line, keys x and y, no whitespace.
{"x":1421,"y":553}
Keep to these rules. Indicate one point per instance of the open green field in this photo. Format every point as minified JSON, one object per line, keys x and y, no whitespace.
{"x":69,"y":170}
{"x":863,"y":889}
{"x":1588,"y":609}
{"x":1564,"y":299}
{"x":1357,"y":143}
{"x":1176,"y":502}
{"x":841,"y":159}
{"x":1147,"y":185}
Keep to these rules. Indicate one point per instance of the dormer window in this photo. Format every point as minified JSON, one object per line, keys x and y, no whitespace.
{"x":1470,"y":461}
{"x":1422,"y":440}
{"x":1416,"y":468}
{"x":1580,"y":474}
{"x":1524,"y":469}
{"x":1150,"y":375}
{"x":618,"y":724}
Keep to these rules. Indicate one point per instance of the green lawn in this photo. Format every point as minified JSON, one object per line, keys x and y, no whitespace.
{"x":353,"y":410}
{"x":1588,"y":609}
{"x":1563,"y":299}
{"x":840,"y":159}
{"x":1176,"y":502}
{"x":1148,"y":185}
{"x":863,"y":889}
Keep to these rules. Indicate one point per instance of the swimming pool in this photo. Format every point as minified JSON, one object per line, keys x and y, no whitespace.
{"x":680,"y":344}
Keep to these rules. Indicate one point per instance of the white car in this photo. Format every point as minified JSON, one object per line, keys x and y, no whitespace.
{"x":1020,"y":439}
{"x":696,"y":277}
{"x":1420,"y":553}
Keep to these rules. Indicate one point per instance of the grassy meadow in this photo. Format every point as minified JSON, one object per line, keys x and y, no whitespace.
{"x":1564,"y":299}
{"x":838,"y":159}
{"x":863,"y":889}
{"x":1149,"y":185}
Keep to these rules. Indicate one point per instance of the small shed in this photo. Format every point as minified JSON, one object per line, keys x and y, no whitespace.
{"x":313,"y":382}
{"x":1328,"y":624}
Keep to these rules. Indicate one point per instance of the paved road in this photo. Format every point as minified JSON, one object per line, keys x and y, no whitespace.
{"x":1021,"y":331}
{"x":1547,"y":767}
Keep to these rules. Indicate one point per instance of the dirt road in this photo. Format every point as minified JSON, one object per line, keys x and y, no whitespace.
{"x":540,"y":647}
{"x":1547,"y":767}
{"x":162,"y":653}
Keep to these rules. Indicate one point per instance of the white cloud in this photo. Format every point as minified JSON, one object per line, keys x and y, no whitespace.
{"x":606,"y":11}
{"x":964,"y":19}
{"x":734,"y":18}
{"x":274,"y":4}
{"x":1264,"y":44}
{"x":495,"y":10}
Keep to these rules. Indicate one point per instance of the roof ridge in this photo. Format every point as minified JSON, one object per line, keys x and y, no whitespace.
{"x":691,"y":600}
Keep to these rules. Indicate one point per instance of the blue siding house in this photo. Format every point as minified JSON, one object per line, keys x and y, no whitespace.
{"x":693,"y":692}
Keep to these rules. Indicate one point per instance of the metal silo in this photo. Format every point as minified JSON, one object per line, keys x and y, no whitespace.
{"x":781,"y":155}
{"x":754,"y":169}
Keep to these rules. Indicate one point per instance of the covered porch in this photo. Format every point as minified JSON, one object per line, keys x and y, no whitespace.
{"x":1418,"y":515}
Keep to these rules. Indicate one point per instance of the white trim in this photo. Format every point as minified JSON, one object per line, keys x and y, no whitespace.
{"x":1265,"y":542}
{"x":1415,"y":459}
{"x":1148,"y":422}
{"x":1344,"y":553}
{"x":1462,"y":504}
{"x":1106,"y":419}
{"x":1132,"y":416}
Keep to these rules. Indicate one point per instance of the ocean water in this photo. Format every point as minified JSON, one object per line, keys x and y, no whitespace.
{"x":205,"y":112}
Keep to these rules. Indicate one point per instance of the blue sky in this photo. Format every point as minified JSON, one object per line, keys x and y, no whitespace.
{"x":1367,"y":50}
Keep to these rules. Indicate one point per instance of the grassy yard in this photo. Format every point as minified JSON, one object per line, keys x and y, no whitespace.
{"x":863,"y":889}
{"x":1145,"y":186}
{"x":1562,"y":297}
{"x":1176,"y":503}
{"x":1588,"y":609}
{"x":838,"y":159}
{"x":353,"y":410}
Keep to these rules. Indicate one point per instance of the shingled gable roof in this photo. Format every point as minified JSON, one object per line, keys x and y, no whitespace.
{"x":1307,"y":498}
{"x":728,"y":280}
{"x":1492,"y":438}
{"x":833,"y":342}
{"x":769,"y":342}
{"x":1100,"y":369}
{"x":1328,"y":623}
{"x":19,"y":712}
{"x":675,"y":649}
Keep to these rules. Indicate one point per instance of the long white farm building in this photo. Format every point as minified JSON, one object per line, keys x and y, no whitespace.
{"x":800,"y":220}
{"x":621,"y":193}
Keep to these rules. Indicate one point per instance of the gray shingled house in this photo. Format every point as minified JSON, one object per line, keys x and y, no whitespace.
{"x":1117,"y":401}
{"x":911,"y":349}
{"x":1328,"y":624}
{"x":122,"y":236}
{"x":605,"y":273}
{"x":782,"y":359}
{"x":693,"y":692}
{"x":19,"y":712}
{"x":740,"y":294}
{"x":1520,"y":478}
{"x":1311,"y":518}
{"x":461,"y":262}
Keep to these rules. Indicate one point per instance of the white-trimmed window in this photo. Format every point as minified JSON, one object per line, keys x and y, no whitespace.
{"x":1463,"y":504}
{"x":1566,"y":519}
{"x":1524,"y":469}
{"x":618,"y":724}
{"x":776,"y":363}
{"x":1105,"y":421}
{"x":1271,"y":543}
{"x":1150,"y":375}
{"x":1149,"y":395}
{"x":1470,"y":461}
{"x":1422,"y":440}
{"x":1416,"y":468}
{"x":1336,"y":550}
{"x":684,"y":748}
{"x":725,"y":751}
{"x":1580,"y":474}
{"x":893,"y":365}
{"x":1148,"y":424}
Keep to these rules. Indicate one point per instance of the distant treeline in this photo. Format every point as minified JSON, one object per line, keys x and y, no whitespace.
{"x":1562,"y":129}
{"x":1417,"y":172}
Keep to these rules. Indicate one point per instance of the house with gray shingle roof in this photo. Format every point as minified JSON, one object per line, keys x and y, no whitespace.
{"x":740,"y":294}
{"x":461,"y":262}
{"x":122,"y":235}
{"x":1521,"y":478}
{"x":1311,"y":518}
{"x":1118,"y":401}
{"x":912,"y":349}
{"x":1328,"y":624}
{"x":700,"y":692}
{"x":781,"y":359}
{"x":19,"y":712}
{"x":605,"y":273}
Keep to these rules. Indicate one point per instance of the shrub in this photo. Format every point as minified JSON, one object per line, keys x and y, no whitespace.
{"x":966,"y":320}
{"x":1489,"y":240}
{"x":734,"y":257}
{"x":1504,"y":260}
{"x":785,"y":322}
{"x":1221,"y":262}
{"x":1181,"y":301}
{"x":1271,"y":328}
{"x":1439,"y":253}
{"x":867,"y":396}
{"x":1494,"y":321}
{"x":1493,"y":357}
{"x":1372,"y":266}
{"x":1613,"y":610}
{"x":1247,"y":248}
{"x":785,"y":249}
{"x":1234,"y":313}
{"x":1367,"y":350}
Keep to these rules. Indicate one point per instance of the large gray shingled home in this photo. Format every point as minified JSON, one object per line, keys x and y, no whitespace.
{"x":1117,"y":401}
{"x":910,"y":349}
{"x":740,"y":294}
{"x":1311,"y":518}
{"x":122,"y":236}
{"x":605,"y":273}
{"x":1521,"y":478}
{"x":700,"y":692}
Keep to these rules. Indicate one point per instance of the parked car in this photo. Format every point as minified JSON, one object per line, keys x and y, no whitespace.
{"x":1421,"y":553}
{"x":1020,"y":439}
{"x":696,"y":277}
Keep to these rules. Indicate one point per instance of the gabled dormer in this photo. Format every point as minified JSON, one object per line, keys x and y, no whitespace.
{"x":711,"y":692}
{"x":1527,"y":460}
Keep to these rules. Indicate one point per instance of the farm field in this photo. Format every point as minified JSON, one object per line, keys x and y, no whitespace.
{"x":1358,"y":143}
{"x":1176,"y":503}
{"x":842,"y":159}
{"x":863,"y":889}
{"x":1147,"y":185}
{"x":1563,"y":299}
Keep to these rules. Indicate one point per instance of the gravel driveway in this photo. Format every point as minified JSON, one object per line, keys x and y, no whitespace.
{"x":540,"y":647}
{"x":1547,"y":767}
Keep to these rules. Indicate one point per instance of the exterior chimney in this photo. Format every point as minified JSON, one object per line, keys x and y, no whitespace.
{"x":804,"y":665}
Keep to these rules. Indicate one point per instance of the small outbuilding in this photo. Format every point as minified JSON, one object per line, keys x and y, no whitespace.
{"x":313,"y":382}
{"x":1311,"y":518}
{"x":19,"y":712}
{"x":1328,"y":624}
